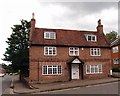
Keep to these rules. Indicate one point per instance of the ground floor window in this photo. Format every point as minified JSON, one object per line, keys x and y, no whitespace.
{"x":51,"y":69}
{"x":93,"y":69}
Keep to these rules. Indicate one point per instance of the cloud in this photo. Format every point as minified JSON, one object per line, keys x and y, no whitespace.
{"x":78,"y":15}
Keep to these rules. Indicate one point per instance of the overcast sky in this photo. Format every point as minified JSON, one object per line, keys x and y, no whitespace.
{"x":62,"y":15}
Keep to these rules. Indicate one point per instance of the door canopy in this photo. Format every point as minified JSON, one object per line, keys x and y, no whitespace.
{"x":76,"y":60}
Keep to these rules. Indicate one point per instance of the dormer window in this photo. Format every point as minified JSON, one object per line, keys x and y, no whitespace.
{"x":92,"y":38}
{"x":49,"y":35}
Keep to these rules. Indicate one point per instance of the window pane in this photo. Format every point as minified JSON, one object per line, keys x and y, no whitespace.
{"x":93,"y":38}
{"x":88,"y":68}
{"x":47,"y":35}
{"x":100,"y":68}
{"x":49,"y":70}
{"x":89,"y":38}
{"x":59,"y":69}
{"x":92,"y":69}
{"x":50,"y":52}
{"x":44,"y":69}
{"x":54,"y":70}
{"x":96,"y":69}
{"x":52,"y":35}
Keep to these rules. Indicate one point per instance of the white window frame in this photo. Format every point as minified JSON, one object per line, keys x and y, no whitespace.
{"x":115,"y":49}
{"x":52,"y":67}
{"x":47,"y":51}
{"x":95,"y":52}
{"x":116,"y":61}
{"x":74,"y":50}
{"x":94,"y":69}
{"x":92,"y":38}
{"x":49,"y":35}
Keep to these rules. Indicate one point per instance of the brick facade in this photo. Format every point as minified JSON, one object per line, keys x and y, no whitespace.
{"x":38,"y":59}
{"x":64,"y":40}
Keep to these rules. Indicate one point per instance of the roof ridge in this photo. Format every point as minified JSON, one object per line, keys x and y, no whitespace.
{"x":67,"y":29}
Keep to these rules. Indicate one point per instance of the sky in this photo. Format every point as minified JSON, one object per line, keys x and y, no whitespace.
{"x":66,"y":14}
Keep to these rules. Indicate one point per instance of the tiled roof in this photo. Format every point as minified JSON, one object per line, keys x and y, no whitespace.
{"x":68,"y":38}
{"x":116,"y":42}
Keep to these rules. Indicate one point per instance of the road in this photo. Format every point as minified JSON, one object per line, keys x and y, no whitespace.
{"x":108,"y":88}
{"x":5,"y":84}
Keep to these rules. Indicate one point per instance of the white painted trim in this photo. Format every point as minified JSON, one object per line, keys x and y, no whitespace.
{"x":91,"y":37}
{"x":45,"y":37}
{"x":52,"y":69}
{"x":94,"y":69}
{"x":76,"y":61}
{"x":93,"y":49}
{"x":114,"y":49}
{"x":48,"y":51}
{"x":74,"y":50}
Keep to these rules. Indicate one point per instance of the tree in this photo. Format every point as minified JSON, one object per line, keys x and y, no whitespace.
{"x":8,"y":68}
{"x":18,"y":48}
{"x":111,"y":36}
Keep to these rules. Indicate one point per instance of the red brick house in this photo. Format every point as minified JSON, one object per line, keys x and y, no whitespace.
{"x":63,"y":55}
{"x":115,"y":53}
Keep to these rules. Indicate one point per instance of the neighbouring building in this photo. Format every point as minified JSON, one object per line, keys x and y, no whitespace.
{"x":115,"y":53}
{"x":2,"y":70}
{"x":63,"y":55}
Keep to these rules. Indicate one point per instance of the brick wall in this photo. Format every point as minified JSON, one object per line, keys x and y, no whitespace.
{"x":36,"y":72}
{"x":115,"y":55}
{"x":37,"y":59}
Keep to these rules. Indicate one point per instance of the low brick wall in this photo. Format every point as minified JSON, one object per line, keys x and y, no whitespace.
{"x":116,"y":74}
{"x":25,"y":80}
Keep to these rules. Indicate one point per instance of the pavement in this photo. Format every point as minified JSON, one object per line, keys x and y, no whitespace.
{"x":21,"y":88}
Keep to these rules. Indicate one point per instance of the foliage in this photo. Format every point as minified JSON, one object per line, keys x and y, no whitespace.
{"x":116,"y":69}
{"x":8,"y":68}
{"x":111,"y":36}
{"x":18,"y":48}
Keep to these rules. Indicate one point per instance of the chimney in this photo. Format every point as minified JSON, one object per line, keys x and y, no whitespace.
{"x":32,"y":29}
{"x":33,"y":22}
{"x":99,"y":27}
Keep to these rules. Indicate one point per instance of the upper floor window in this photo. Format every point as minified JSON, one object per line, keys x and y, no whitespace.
{"x":92,"y":38}
{"x":115,"y":49}
{"x":49,"y":35}
{"x":95,"y":52}
{"x":116,"y":61}
{"x":50,"y":51}
{"x":74,"y":51}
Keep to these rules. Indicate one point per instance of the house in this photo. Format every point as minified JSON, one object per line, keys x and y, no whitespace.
{"x":2,"y":71}
{"x":63,"y":55}
{"x":115,"y":53}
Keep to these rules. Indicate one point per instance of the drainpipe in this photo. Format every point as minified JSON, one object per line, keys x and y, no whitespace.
{"x":38,"y":71}
{"x":82,"y":72}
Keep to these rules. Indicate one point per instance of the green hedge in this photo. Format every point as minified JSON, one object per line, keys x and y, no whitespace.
{"x":116,"y":69}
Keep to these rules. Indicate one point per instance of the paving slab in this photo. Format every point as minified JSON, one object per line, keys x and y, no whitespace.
{"x":21,"y":88}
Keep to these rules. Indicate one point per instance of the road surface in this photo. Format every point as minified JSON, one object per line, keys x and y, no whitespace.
{"x":5,"y":84}
{"x":108,"y":88}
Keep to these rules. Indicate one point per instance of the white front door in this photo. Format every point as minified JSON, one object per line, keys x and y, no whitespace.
{"x":75,"y":71}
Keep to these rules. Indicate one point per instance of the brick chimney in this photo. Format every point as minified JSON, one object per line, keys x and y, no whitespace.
{"x":99,"y":27}
{"x":32,"y":29}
